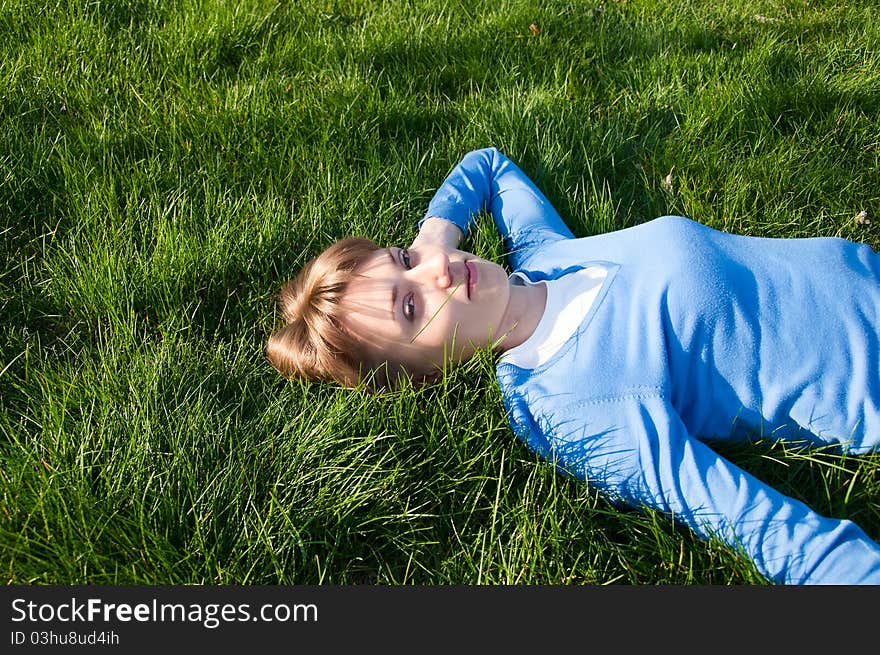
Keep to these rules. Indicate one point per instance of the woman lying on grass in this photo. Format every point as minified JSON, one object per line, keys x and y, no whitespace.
{"x":622,"y":352}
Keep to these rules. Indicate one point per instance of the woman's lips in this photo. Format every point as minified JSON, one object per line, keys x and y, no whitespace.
{"x":472,"y":276}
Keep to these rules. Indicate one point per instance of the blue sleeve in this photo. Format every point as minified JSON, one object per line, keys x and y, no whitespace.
{"x":639,"y":452}
{"x":486,"y":180}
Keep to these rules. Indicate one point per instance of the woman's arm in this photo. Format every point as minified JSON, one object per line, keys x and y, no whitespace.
{"x":638,"y":451}
{"x":438,"y":230}
{"x":787,"y":540}
{"x":486,"y":180}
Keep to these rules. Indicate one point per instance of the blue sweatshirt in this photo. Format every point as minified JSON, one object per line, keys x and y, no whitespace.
{"x":694,"y":335}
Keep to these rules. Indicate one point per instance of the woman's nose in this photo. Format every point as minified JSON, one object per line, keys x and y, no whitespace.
{"x":436,"y":270}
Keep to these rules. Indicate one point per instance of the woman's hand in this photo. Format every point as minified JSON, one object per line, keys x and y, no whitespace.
{"x":438,"y":231}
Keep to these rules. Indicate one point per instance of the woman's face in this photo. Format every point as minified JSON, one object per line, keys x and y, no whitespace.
{"x":426,"y":305}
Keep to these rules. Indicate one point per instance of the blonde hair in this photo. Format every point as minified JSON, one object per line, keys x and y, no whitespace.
{"x":314,"y":343}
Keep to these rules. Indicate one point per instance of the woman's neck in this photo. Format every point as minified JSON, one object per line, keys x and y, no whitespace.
{"x":525,"y":307}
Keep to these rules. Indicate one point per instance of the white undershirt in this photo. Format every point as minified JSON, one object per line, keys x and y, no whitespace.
{"x":569,"y":299}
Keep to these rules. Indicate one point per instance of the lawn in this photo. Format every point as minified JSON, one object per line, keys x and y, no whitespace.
{"x":164,"y":166}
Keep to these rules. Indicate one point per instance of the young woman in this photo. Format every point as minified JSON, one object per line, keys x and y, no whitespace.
{"x":622,"y":353}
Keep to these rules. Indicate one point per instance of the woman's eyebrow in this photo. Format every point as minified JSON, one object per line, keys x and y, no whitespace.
{"x":395,"y":263}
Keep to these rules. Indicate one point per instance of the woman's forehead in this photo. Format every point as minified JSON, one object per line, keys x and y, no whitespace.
{"x":373,"y":284}
{"x":375,"y":273}
{"x":380,"y":263}
{"x":369,"y":290}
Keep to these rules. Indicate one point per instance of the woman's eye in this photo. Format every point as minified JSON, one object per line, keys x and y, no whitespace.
{"x":409,"y":308}
{"x":404,"y":256}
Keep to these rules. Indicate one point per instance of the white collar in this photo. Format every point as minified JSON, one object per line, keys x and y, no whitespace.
{"x":569,"y":299}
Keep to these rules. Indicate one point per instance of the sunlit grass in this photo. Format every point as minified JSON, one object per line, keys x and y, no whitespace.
{"x":165,"y":166}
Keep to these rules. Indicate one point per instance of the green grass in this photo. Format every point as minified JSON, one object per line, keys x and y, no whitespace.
{"x":165,"y":165}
